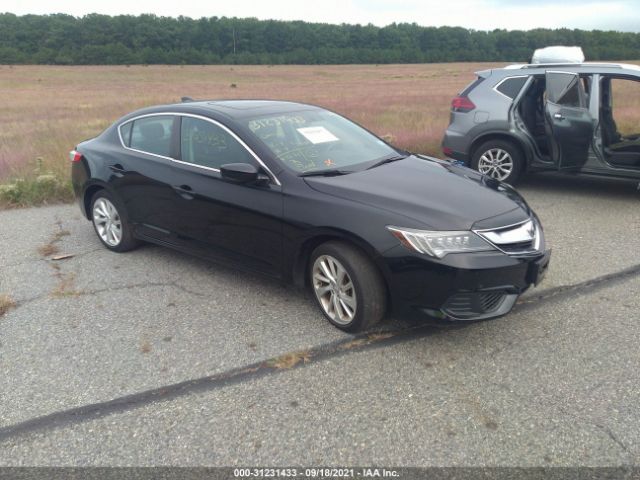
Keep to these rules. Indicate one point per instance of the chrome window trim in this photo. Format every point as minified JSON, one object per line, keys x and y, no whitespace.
{"x":495,"y":87}
{"x":200,"y":117}
{"x":204,"y":167}
{"x":537,"y":238}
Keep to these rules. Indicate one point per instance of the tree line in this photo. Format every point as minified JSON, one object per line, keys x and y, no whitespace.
{"x":149,"y":39}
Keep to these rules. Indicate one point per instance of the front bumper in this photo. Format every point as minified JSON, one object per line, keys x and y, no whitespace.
{"x":473,"y":286}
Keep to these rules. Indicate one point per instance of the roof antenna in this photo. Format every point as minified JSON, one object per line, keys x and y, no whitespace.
{"x":186,"y":99}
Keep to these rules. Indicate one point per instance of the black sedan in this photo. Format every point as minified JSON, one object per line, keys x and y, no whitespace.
{"x":304,"y":195}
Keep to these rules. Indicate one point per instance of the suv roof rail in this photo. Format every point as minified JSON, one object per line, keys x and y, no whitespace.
{"x":522,"y":66}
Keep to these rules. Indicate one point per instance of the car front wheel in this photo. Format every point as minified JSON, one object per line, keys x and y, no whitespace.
{"x":347,"y":286}
{"x":498,"y":159}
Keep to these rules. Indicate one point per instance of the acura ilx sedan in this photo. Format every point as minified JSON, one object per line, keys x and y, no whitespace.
{"x":306,"y":196}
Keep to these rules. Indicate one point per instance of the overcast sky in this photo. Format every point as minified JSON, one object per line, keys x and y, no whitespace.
{"x":477,"y":14}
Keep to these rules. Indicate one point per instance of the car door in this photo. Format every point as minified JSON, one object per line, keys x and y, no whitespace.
{"x":142,"y":171}
{"x":568,"y":123}
{"x":229,"y":222}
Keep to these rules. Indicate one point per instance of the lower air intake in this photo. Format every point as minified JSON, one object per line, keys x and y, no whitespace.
{"x":478,"y":305}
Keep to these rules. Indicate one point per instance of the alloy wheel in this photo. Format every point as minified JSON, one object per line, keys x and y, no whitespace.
{"x":496,"y":163}
{"x":334,"y":289}
{"x":107,"y":222}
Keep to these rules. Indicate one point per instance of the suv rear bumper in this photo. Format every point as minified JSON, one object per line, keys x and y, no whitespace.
{"x":463,"y":157}
{"x":454,"y":145}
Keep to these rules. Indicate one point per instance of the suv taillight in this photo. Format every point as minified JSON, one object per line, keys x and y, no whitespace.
{"x":462,"y":104}
{"x":75,"y":156}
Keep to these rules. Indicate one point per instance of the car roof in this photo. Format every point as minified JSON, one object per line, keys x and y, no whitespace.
{"x":590,"y":67}
{"x":231,"y":109}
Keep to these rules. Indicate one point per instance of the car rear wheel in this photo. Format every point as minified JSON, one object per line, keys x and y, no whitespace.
{"x":498,"y":159}
{"x":110,"y":223}
{"x":347,"y":286}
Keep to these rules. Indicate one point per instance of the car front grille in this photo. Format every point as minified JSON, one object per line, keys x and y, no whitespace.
{"x":478,"y":305}
{"x":490,"y":301}
{"x":523,"y":238}
{"x":466,"y":305}
{"x":518,"y":247}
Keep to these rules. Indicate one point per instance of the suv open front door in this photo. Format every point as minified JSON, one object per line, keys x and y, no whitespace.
{"x":567,"y":120}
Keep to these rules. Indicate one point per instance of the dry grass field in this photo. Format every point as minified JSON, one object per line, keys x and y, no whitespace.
{"x":46,"y":110}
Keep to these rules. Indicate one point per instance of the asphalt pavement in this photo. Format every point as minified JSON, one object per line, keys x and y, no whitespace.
{"x":156,"y":358}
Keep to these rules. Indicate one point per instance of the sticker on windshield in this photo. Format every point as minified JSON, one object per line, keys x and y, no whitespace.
{"x":317,"y":134}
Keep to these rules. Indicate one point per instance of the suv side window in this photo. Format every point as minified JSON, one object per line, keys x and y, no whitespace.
{"x":510,"y":87}
{"x":565,"y":89}
{"x":206,"y":144}
{"x":151,"y":134}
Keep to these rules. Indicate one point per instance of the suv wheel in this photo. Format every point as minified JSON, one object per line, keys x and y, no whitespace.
{"x":347,"y":286}
{"x":498,"y":159}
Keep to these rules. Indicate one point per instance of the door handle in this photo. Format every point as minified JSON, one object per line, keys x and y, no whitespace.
{"x":185,"y":191}
{"x":558,"y":116}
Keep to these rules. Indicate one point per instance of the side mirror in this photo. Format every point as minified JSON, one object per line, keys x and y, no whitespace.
{"x":241,"y":173}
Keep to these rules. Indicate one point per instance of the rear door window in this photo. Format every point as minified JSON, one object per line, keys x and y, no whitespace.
{"x":152,"y":134}
{"x":564,"y":88}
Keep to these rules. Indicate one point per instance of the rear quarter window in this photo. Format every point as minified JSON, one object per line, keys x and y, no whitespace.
{"x":510,"y":87}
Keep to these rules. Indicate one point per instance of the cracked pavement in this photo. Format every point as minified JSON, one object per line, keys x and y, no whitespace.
{"x":157,"y":358}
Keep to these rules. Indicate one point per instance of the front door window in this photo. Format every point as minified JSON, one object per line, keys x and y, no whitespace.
{"x":207,"y":145}
{"x":620,"y":121}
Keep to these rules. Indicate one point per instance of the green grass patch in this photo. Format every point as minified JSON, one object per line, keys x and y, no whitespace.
{"x":39,"y":190}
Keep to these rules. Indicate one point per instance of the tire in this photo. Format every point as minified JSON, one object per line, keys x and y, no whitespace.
{"x":368,"y":293}
{"x":109,"y":216}
{"x":494,"y":157}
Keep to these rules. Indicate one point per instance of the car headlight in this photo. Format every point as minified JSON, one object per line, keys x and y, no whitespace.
{"x":440,"y":243}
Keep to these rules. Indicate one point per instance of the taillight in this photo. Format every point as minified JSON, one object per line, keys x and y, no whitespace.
{"x":447,"y":151}
{"x":462,"y":104}
{"x":75,"y":156}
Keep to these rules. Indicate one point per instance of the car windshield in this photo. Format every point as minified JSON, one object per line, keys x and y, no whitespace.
{"x":318,"y":140}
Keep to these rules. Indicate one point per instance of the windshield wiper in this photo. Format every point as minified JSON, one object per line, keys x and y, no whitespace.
{"x":325,"y":172}
{"x":388,"y":160}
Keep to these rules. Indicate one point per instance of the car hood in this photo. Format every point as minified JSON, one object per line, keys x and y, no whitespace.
{"x":436,"y":194}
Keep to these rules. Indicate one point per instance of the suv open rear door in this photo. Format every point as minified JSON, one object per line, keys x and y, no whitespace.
{"x":567,"y":120}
